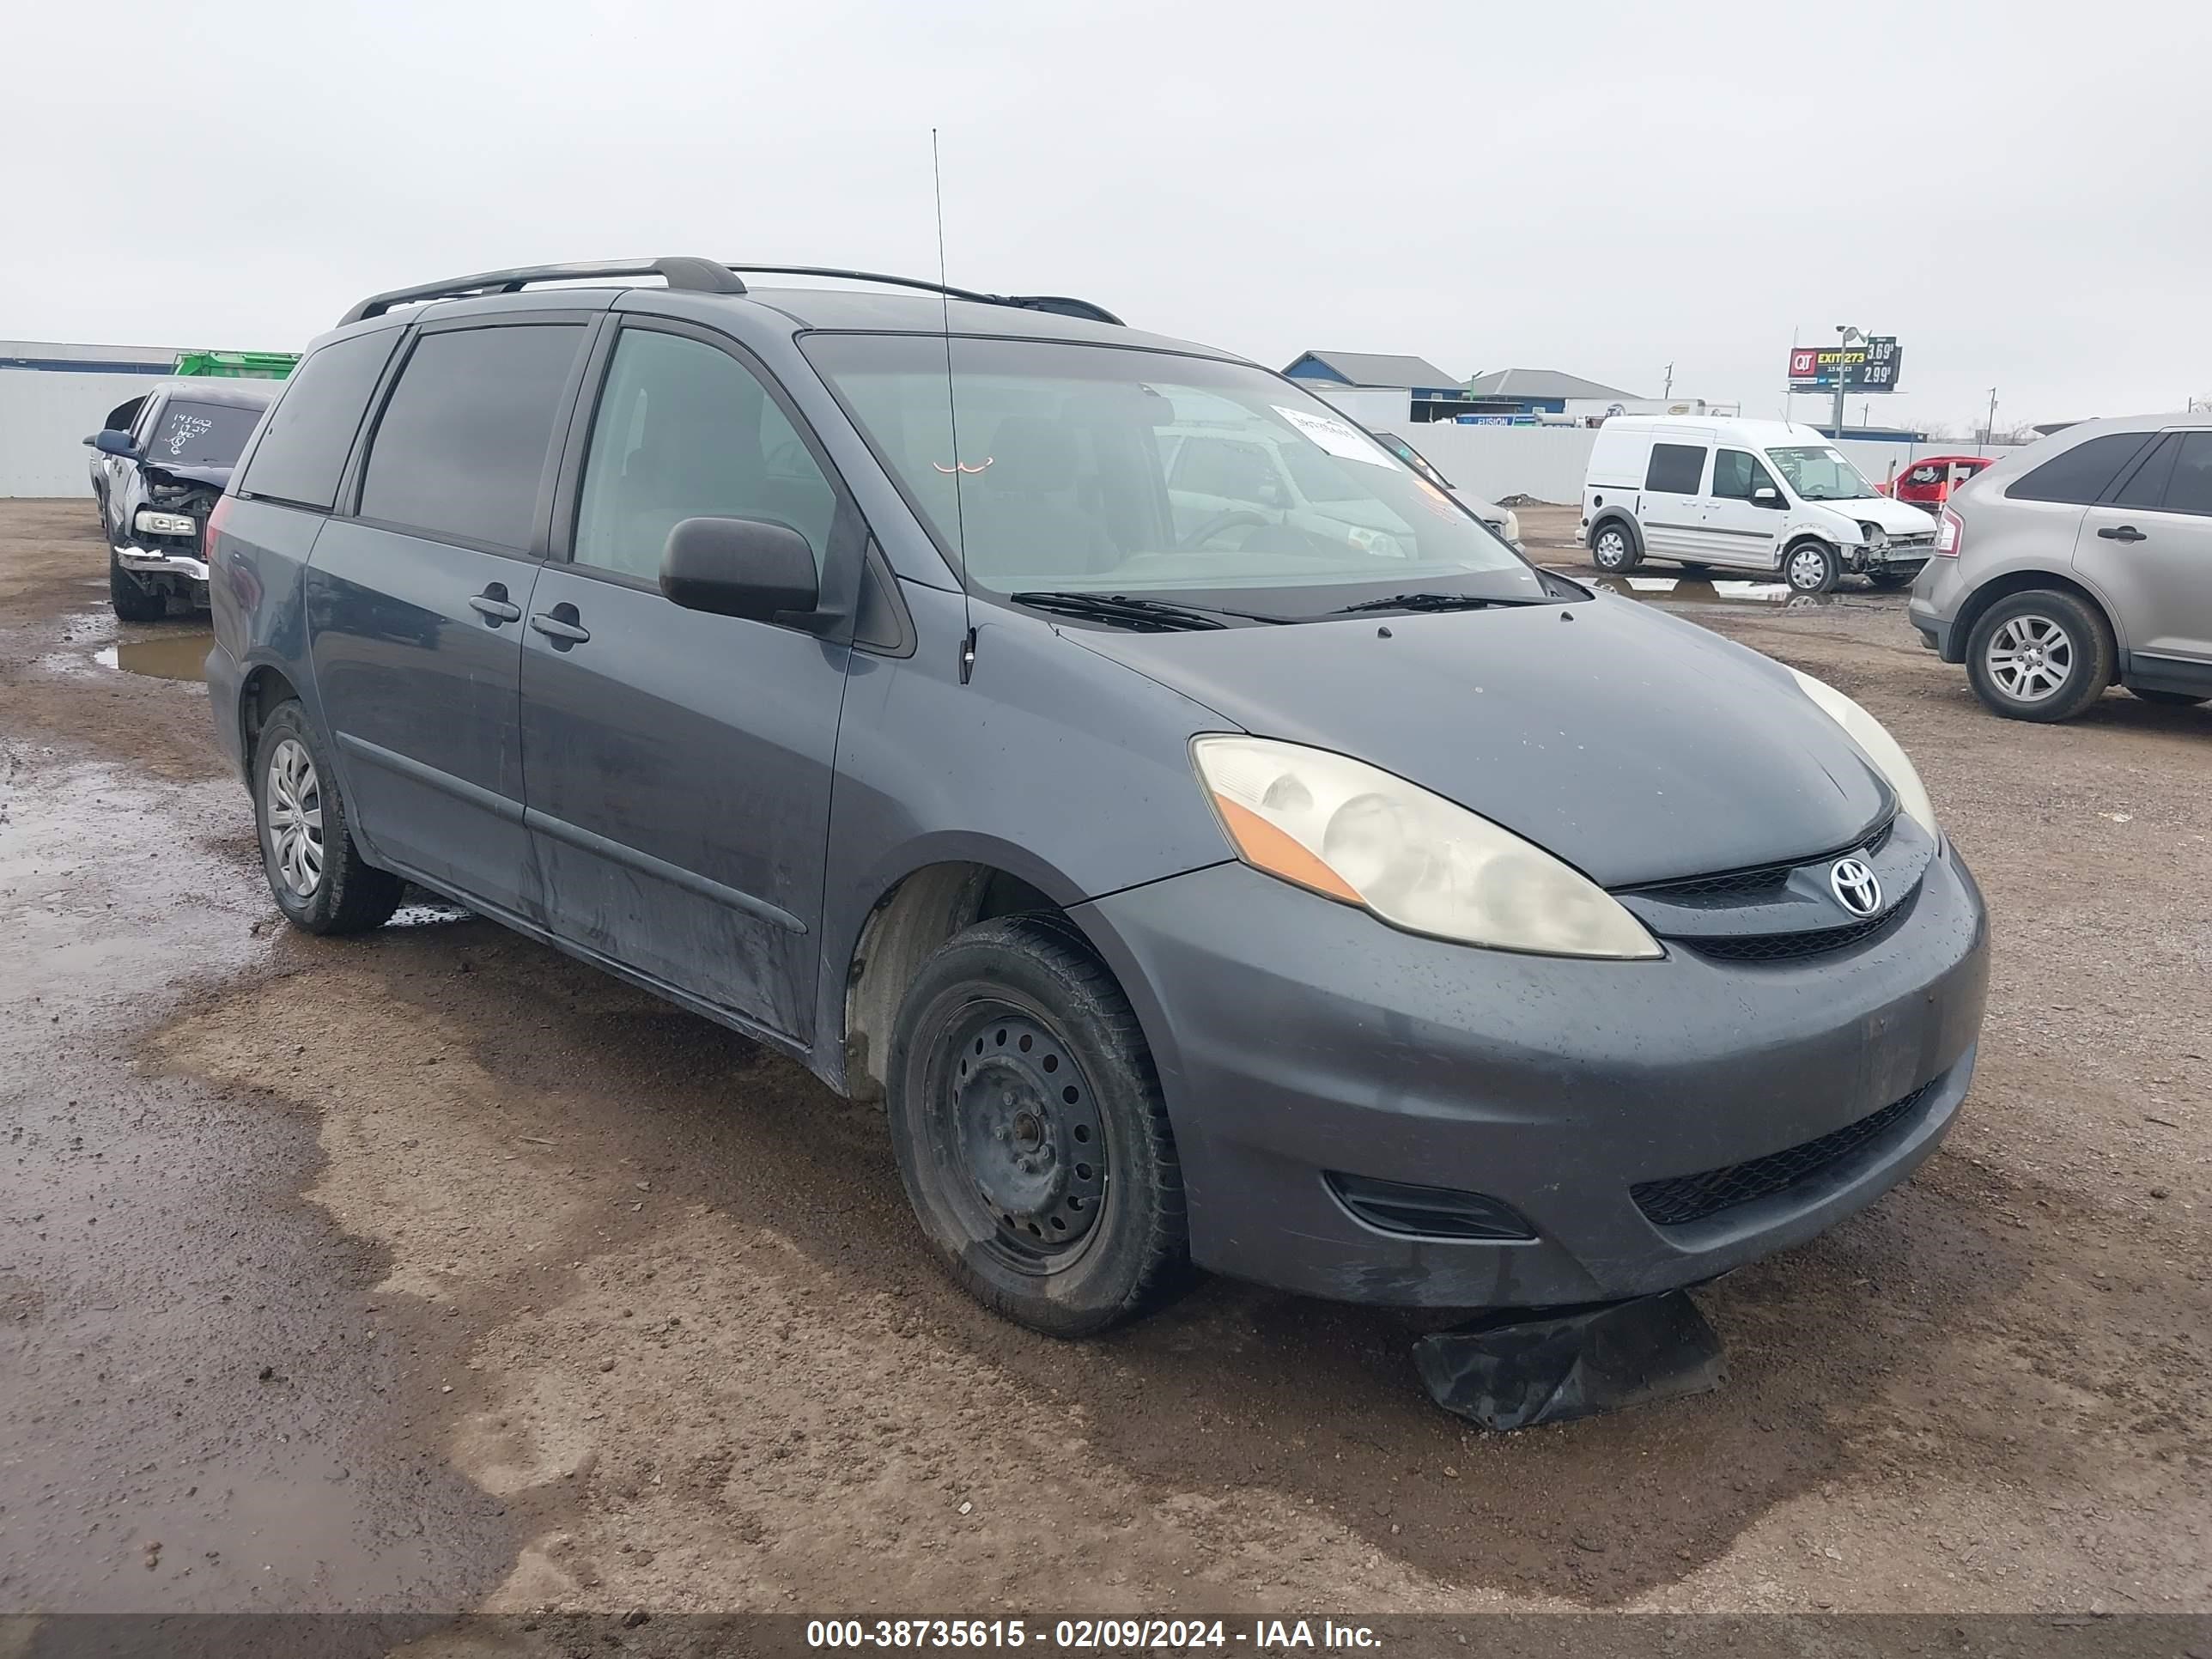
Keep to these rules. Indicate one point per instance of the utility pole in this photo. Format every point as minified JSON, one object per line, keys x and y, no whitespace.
{"x":1990,"y":432}
{"x":1667,"y":391}
{"x":1843,"y":337}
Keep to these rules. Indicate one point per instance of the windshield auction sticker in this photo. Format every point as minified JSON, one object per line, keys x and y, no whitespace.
{"x":1337,"y":438}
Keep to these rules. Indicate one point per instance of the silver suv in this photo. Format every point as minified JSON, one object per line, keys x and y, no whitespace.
{"x":2079,"y":561}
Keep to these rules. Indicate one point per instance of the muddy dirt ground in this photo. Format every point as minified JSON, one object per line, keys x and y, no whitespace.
{"x":433,"y":1270}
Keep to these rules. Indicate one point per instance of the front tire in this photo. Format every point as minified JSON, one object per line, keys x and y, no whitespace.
{"x":135,"y":601}
{"x":1030,"y":1131}
{"x":1613,"y":548}
{"x":320,"y":880}
{"x":2041,"y":655}
{"x":1811,"y":567}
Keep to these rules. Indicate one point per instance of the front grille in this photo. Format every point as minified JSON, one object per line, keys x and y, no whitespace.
{"x":1793,"y":947}
{"x":1681,"y":1199}
{"x":1752,"y":884}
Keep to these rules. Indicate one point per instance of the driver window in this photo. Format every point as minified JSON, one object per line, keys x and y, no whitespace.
{"x":684,"y":430}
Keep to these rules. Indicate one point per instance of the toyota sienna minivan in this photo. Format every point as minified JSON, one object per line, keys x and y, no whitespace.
{"x":1338,"y":902}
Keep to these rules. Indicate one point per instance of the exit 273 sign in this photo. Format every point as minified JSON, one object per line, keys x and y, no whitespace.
{"x":1871,"y":366}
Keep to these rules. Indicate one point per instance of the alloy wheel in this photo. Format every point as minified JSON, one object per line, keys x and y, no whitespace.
{"x":2030,"y":657}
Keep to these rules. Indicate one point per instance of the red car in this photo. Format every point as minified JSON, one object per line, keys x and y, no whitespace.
{"x":1930,"y":481}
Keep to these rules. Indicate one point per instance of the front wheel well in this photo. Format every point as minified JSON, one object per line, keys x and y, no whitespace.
{"x":2015,"y":581}
{"x":926,"y":908}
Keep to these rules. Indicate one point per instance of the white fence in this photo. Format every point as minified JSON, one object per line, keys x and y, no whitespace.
{"x":1547,"y":463}
{"x":44,"y":416}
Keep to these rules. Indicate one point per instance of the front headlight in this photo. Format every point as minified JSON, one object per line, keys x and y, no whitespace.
{"x":1881,"y":748}
{"x":152,"y":523}
{"x":1871,"y":534}
{"x":1356,"y":833}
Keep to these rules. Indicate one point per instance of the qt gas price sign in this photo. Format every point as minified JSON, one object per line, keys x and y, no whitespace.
{"x":1872,"y":365}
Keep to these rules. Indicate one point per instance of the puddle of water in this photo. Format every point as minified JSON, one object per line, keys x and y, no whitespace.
{"x":163,"y":656}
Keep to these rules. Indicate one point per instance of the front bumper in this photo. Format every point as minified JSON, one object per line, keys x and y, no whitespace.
{"x":157,"y":561}
{"x":1296,"y":1038}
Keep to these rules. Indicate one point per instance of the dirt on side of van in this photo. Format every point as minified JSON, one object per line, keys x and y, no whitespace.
{"x":433,"y":1269}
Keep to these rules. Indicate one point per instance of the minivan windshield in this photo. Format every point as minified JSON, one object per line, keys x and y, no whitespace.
{"x":1112,"y":471}
{"x":1818,"y":473}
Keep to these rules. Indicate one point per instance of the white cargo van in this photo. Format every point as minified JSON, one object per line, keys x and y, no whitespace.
{"x":1755,"y":496}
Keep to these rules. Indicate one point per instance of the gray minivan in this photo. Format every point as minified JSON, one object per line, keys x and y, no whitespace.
{"x":1374,"y":915}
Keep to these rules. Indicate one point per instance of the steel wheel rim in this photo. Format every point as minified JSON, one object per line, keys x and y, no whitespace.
{"x":292,"y":806}
{"x":1020,"y":1137}
{"x":2030,"y":657}
{"x":1612,"y":547}
{"x":1809,"y":568}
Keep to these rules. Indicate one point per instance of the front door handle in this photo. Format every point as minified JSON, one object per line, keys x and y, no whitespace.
{"x":2122,"y":532}
{"x":562,"y":629}
{"x":493,"y":605}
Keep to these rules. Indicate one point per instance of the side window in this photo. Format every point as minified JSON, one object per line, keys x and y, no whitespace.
{"x":461,"y":447}
{"x":2146,"y":486}
{"x":1733,"y":472}
{"x":2082,"y":473}
{"x":1675,"y":469}
{"x":142,"y":424}
{"x":123,"y":416}
{"x":2189,"y":490}
{"x":303,"y":449}
{"x":686,"y":431}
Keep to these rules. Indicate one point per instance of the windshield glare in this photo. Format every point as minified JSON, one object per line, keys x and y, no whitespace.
{"x":1110,"y":471}
{"x":1818,"y":473}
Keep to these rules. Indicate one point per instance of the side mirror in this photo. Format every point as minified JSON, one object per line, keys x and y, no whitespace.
{"x":1767,"y":495}
{"x":114,"y":443}
{"x":747,"y":567}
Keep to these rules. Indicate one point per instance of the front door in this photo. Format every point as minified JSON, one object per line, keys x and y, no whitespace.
{"x":2148,"y":550}
{"x":679,"y":763}
{"x":1742,"y":524}
{"x":415,"y":604}
{"x":1671,"y":511}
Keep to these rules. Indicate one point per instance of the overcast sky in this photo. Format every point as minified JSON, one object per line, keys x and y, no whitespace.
{"x":2018,"y":191}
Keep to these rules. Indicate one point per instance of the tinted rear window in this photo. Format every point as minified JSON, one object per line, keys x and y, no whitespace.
{"x":2083,"y":473}
{"x":201,"y":434}
{"x":300,"y":455}
{"x":462,"y":444}
{"x":1675,"y":468}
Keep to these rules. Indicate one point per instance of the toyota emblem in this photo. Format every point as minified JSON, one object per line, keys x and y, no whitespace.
{"x":1853,"y":883}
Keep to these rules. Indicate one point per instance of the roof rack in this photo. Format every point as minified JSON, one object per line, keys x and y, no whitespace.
{"x":701,"y":277}
{"x":698,"y":276}
{"x":1060,"y":304}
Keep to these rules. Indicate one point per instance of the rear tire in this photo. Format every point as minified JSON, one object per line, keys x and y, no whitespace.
{"x":1030,"y":1131}
{"x":2042,"y":656}
{"x":1811,"y":567}
{"x":2168,"y":699}
{"x":320,"y":880}
{"x":1614,"y":548}
{"x":134,"y":601}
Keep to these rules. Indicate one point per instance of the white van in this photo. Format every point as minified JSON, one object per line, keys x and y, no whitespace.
{"x":1763,"y":495}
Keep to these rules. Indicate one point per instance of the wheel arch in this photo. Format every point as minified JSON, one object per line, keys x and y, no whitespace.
{"x":915,"y":911}
{"x":264,"y":688}
{"x":1977,"y":603}
{"x":1622,"y":517}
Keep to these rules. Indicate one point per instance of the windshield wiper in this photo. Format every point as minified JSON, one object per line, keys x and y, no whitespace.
{"x":1434,"y":602}
{"x":1156,"y":615}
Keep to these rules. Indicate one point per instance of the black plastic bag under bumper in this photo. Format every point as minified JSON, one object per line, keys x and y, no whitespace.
{"x":1519,"y":1367}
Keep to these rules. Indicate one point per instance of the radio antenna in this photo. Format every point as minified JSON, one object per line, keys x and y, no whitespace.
{"x":952,"y":420}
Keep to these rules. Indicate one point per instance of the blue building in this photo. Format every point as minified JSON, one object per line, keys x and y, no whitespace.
{"x":1435,"y":395}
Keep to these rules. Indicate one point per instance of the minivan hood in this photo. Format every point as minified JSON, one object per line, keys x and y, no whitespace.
{"x":1634,"y":745}
{"x":1895,"y":517}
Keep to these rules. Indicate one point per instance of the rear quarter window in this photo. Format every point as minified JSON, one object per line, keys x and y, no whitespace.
{"x":304,"y":448}
{"x":2083,"y":473}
